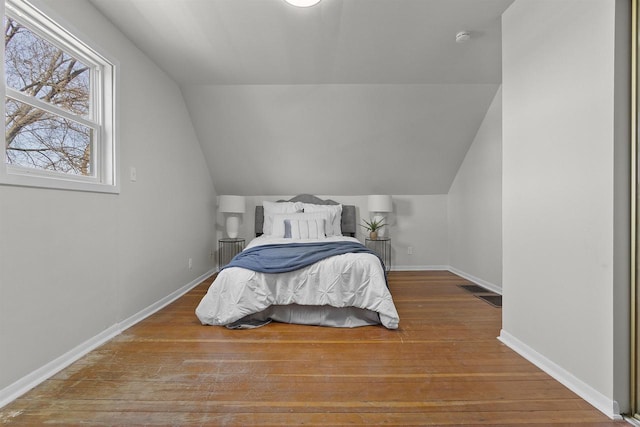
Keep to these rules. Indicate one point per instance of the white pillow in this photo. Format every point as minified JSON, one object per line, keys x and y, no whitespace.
{"x":278,"y":229}
{"x":334,"y":225}
{"x":304,"y":228}
{"x":273,"y":208}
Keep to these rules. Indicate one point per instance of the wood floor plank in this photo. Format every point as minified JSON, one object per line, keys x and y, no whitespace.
{"x":443,"y":366}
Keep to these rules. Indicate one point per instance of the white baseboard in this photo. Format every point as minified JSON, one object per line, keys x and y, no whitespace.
{"x":26,"y":383}
{"x":157,"y":306}
{"x":419,"y":267}
{"x":605,"y":405}
{"x":488,"y":285}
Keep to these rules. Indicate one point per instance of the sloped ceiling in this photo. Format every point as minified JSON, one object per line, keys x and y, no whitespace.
{"x":347,"y":97}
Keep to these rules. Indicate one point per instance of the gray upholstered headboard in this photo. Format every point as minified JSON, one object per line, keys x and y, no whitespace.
{"x":348,"y":223}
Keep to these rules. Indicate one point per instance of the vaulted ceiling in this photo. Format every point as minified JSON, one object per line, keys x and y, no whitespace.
{"x":346,"y":97}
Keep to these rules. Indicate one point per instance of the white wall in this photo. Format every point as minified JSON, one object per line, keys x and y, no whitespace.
{"x":475,"y":205}
{"x":559,"y":272}
{"x":74,"y":264}
{"x":417,"y":221}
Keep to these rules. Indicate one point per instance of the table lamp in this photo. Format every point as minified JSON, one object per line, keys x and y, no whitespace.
{"x":379,"y":205}
{"x":233,"y":207}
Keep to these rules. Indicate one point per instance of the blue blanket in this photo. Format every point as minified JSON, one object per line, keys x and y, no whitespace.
{"x":281,"y":258}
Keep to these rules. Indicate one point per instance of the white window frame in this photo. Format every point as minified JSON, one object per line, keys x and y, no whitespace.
{"x":102,"y":119}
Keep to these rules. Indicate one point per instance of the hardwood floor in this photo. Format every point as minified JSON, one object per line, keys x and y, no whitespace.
{"x":444,"y":366}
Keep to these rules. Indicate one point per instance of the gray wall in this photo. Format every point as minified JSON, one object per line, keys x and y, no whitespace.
{"x":74,"y":264}
{"x":475,"y":205}
{"x":356,"y":138}
{"x":559,"y":205}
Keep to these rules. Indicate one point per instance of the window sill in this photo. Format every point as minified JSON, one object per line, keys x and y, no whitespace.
{"x":20,"y":180}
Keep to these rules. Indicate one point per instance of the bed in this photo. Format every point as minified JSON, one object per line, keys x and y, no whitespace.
{"x":305,"y":266}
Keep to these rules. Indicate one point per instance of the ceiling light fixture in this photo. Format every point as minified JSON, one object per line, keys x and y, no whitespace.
{"x":303,"y":3}
{"x":463,"y":36}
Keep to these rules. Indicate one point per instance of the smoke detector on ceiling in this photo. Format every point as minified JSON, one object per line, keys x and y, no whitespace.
{"x":463,"y":36}
{"x":303,"y":3}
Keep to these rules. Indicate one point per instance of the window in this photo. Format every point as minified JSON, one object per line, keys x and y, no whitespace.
{"x":59,"y":106}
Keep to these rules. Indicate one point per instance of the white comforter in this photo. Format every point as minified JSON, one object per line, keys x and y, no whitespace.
{"x":343,"y":281}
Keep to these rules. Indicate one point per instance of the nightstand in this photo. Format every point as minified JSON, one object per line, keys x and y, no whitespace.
{"x":227,"y":249}
{"x":381,"y":246}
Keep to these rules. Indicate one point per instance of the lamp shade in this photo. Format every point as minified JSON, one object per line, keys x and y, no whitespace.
{"x":303,"y":3}
{"x":380,"y":203}
{"x":231,"y":204}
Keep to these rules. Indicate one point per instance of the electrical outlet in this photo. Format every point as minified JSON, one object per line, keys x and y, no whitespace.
{"x":410,"y":250}
{"x":190,"y":263}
